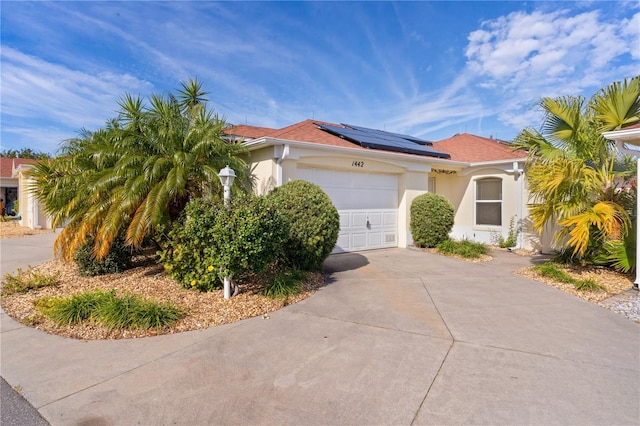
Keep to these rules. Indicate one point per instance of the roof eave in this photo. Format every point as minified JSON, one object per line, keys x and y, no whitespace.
{"x":631,"y":136}
{"x":268,"y":141}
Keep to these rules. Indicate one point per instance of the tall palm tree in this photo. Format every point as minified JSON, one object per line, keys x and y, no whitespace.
{"x":135,"y":176}
{"x":573,"y":174}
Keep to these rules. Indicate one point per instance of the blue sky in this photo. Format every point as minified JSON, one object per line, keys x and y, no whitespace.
{"x":430,"y":69}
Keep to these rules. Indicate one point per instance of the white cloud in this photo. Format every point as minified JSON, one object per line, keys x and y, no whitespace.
{"x":530,"y":55}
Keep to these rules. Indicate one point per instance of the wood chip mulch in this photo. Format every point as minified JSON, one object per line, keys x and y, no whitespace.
{"x":12,"y":229}
{"x":150,"y":281}
{"x":482,"y":258}
{"x":613,"y":282}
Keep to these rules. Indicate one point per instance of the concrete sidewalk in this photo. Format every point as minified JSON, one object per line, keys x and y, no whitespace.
{"x":397,"y":337}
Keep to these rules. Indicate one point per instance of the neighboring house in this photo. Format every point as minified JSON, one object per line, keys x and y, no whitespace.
{"x":14,"y":183}
{"x":630,"y":136}
{"x":372,"y":177}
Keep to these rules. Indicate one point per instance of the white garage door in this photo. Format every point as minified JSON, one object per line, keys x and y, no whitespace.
{"x":367,"y":204}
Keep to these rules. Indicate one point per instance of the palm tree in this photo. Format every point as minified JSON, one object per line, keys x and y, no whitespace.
{"x":573,"y":172}
{"x":134,"y":177}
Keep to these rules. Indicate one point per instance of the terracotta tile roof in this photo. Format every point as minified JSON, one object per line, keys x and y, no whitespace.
{"x":462,"y":147}
{"x":7,"y":164}
{"x":304,"y":131}
{"x":473,"y":149}
{"x":253,"y":132}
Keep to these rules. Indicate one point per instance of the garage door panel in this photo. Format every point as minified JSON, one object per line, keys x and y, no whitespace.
{"x":390,"y":239}
{"x":359,"y":240}
{"x":375,"y":239}
{"x":358,"y":220}
{"x":343,"y":244}
{"x":375,"y":219}
{"x":345,"y":220}
{"x":390,"y":219}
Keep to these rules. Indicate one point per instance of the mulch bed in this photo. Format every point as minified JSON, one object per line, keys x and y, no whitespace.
{"x":151,"y":282}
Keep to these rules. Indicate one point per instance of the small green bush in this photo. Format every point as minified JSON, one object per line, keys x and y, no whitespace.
{"x":512,"y":237}
{"x":23,"y":281}
{"x":117,"y":260}
{"x":213,"y":242}
{"x":588,"y":284}
{"x":465,"y":248}
{"x":284,"y":284}
{"x":110,"y":311}
{"x":431,"y":219}
{"x":76,"y":309}
{"x":314,"y":223}
{"x":551,"y":270}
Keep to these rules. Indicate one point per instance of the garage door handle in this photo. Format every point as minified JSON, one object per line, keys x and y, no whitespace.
{"x":368,"y":224}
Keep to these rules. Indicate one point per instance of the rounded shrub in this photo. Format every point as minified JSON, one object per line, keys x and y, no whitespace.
{"x":431,"y":219}
{"x":314,"y":223}
{"x":117,"y":260}
{"x":211,"y":242}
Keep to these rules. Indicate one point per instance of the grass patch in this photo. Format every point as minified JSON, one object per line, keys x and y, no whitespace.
{"x":465,"y":248}
{"x":284,"y":284}
{"x":24,"y":281}
{"x":110,"y":311}
{"x":553,"y":271}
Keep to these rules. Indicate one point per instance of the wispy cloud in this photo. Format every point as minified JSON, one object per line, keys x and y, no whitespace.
{"x":64,"y":64}
{"x":36,"y":89}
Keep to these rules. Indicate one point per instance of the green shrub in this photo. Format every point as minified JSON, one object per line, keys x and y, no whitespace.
{"x":110,"y":311}
{"x":212,"y":242}
{"x":117,"y":260}
{"x":23,"y":281}
{"x":314,"y":223}
{"x":512,"y":237}
{"x":551,"y":270}
{"x":465,"y":248}
{"x":76,"y":309}
{"x":588,"y":284}
{"x":183,"y":255}
{"x":431,"y":219}
{"x":284,"y":284}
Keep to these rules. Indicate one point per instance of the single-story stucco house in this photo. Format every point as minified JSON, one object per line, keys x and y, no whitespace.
{"x":14,"y":183}
{"x":630,"y":136}
{"x":372,"y":176}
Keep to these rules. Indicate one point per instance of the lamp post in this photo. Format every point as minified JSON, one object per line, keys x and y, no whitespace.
{"x":227,"y":175}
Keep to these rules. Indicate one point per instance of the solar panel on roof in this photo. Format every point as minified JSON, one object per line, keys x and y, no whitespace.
{"x":379,"y":139}
{"x":384,"y":134}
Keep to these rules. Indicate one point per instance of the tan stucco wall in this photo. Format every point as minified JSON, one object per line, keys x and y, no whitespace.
{"x":411,"y":185}
{"x":460,"y":190}
{"x":31,"y":211}
{"x":412,"y":174}
{"x":413,"y":177}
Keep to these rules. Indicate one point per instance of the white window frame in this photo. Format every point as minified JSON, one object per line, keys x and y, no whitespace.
{"x":477,"y":202}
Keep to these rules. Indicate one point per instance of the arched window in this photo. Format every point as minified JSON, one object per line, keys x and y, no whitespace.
{"x":489,"y":202}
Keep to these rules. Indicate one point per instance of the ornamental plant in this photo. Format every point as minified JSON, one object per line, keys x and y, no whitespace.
{"x":431,"y":219}
{"x":212,"y":242}
{"x":117,"y":259}
{"x":314,"y":223}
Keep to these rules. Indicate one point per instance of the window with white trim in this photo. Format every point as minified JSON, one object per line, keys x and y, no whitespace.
{"x":489,"y":202}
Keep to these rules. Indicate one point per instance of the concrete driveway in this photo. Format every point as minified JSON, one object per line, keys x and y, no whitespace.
{"x":396,"y":337}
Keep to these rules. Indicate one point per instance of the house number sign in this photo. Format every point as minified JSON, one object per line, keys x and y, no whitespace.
{"x":357,"y":164}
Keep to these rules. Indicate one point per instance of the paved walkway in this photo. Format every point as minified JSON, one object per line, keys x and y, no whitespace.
{"x":397,"y":337}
